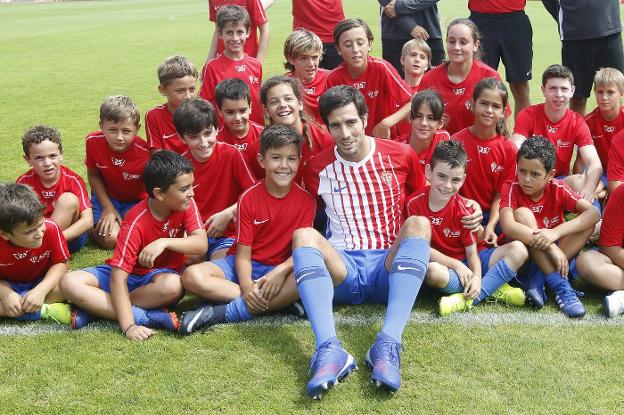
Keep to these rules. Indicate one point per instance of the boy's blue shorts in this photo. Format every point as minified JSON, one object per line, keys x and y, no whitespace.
{"x":103,"y":272}
{"x":216,"y":244}
{"x":23,"y":287}
{"x":121,"y":207}
{"x":367,"y":277}
{"x":227,"y":265}
{"x":484,"y":257}
{"x":77,"y":244}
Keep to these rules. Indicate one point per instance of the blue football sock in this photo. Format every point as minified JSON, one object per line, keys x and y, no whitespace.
{"x":553,"y":280}
{"x":496,"y":276}
{"x":454,"y":284}
{"x":406,"y":276}
{"x":236,"y":310}
{"x":30,"y":316}
{"x":140,"y":316}
{"x":316,"y":290}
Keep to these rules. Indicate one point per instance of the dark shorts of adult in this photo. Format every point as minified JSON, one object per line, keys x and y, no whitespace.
{"x":392,"y":48}
{"x":331,"y":58}
{"x":507,"y":37}
{"x":585,"y":57}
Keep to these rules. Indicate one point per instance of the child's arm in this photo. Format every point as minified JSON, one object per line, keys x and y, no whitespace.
{"x":472,"y":221}
{"x":263,"y":41}
{"x":253,"y":298}
{"x":120,"y":297}
{"x":588,"y":217}
{"x":109,"y":213}
{"x":11,"y":301}
{"x":196,"y":243}
{"x":383,"y":128}
{"x":34,"y":299}
{"x":590,"y":158}
{"x":489,"y":235}
{"x":212,"y":52}
{"x":271,"y":283}
{"x":513,"y":229}
{"x":473,"y":287}
{"x":82,"y":225}
{"x":216,"y":224}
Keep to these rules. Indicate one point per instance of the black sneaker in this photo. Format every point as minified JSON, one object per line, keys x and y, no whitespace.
{"x":202,"y":317}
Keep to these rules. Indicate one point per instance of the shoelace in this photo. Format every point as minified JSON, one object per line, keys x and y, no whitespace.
{"x":392,"y":350}
{"x":320,"y":356}
{"x":570,"y":294}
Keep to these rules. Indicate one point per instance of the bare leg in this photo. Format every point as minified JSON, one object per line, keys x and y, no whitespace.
{"x":522,"y":97}
{"x":577,"y":104}
{"x":598,"y":269}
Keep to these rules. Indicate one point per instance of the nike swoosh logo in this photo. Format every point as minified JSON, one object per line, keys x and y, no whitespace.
{"x":339,"y":189}
{"x":194,"y":320}
{"x":402,"y":268}
{"x":166,"y":136}
{"x":303,"y":276}
{"x":260,"y":222}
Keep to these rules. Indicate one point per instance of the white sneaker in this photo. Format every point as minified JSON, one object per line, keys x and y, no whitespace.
{"x":614,"y":304}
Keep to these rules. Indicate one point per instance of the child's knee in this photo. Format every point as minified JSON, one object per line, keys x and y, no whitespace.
{"x":417,"y":226}
{"x":524,"y":216}
{"x":437,"y":275}
{"x":68,"y":202}
{"x":517,"y":254}
{"x":170,"y":288}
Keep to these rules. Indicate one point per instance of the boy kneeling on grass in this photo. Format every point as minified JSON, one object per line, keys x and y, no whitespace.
{"x":143,"y":276}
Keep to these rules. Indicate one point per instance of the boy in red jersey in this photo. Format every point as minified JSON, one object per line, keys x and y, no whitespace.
{"x":252,"y":280}
{"x":220,"y":170}
{"x":143,"y":276}
{"x":33,"y":258}
{"x":256,"y":46}
{"x":233,"y":28}
{"x":177,"y":77}
{"x":115,"y":158}
{"x":531,"y":211}
{"x":62,"y":191}
{"x":303,"y":51}
{"x":234,"y":106}
{"x":459,"y":260}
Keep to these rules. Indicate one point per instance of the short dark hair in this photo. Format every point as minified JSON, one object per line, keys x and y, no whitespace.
{"x":432,"y":99}
{"x":540,"y":148}
{"x":557,"y":71}
{"x":193,"y":116}
{"x":451,"y":152}
{"x":18,"y":204}
{"x":163,"y":169}
{"x":340,"y":96}
{"x":231,"y":13}
{"x":277,"y":136}
{"x":348,"y":24}
{"x":232,"y":88}
{"x":39,"y":134}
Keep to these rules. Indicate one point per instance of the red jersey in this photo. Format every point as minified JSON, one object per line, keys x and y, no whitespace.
{"x":490,"y":163}
{"x":266,"y":223}
{"x":457,"y":97}
{"x":318,"y":16}
{"x":381,"y":85}
{"x":496,"y":6}
{"x":23,"y":265}
{"x":68,"y":182}
{"x":248,"y":69}
{"x":122,"y":173}
{"x":161,"y":132}
{"x":424,"y":157}
{"x":612,"y":230}
{"x":364,"y":201}
{"x":140,"y":228}
{"x":220,"y":181}
{"x":564,"y":134}
{"x":243,"y":144}
{"x":603,"y":131}
{"x":615,"y":169}
{"x":448,"y":235}
{"x":312,"y":92}
{"x":557,"y":199}
{"x":257,"y":17}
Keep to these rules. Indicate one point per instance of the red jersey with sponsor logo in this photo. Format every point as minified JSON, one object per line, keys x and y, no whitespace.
{"x":496,"y":6}
{"x":615,"y":169}
{"x":318,"y":16}
{"x":220,"y":181}
{"x":266,"y":223}
{"x":243,"y":144}
{"x":448,"y":235}
{"x":22,"y":265}
{"x":140,"y":228}
{"x":424,"y":157}
{"x":548,"y":210}
{"x":603,"y":131}
{"x":365,"y":201}
{"x":612,"y":230}
{"x":381,"y":85}
{"x":68,"y":182}
{"x":457,"y":97}
{"x":248,"y":69}
{"x":257,"y":17}
{"x":490,"y":163}
{"x":312,"y":92}
{"x":564,"y":134}
{"x":122,"y":173}
{"x":161,"y":132}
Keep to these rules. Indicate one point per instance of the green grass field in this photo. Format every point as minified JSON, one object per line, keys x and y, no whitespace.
{"x":59,"y":61}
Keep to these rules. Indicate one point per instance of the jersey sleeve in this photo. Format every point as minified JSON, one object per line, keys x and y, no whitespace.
{"x":615,"y":168}
{"x":308,"y":211}
{"x":79,"y":188}
{"x":58,"y":244}
{"x":570,"y":197}
{"x":128,"y":247}
{"x":208,"y":83}
{"x":467,"y":236}
{"x":395,"y":85}
{"x":415,"y":177}
{"x":582,"y":134}
{"x":612,"y":230}
{"x":244,"y":220}
{"x":192,"y":218}
{"x":507,"y":196}
{"x":152,"y":134}
{"x":242,"y":173}
{"x":256,"y":12}
{"x":509,"y":169}
{"x":89,"y":159}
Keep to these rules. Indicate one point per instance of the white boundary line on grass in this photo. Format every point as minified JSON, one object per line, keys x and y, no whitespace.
{"x":417,"y":317}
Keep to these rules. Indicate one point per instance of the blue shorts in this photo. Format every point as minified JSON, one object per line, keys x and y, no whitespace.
{"x":102,"y":273}
{"x":77,"y":244}
{"x":603,"y":179}
{"x":367,"y":277}
{"x":23,"y":287}
{"x":216,"y":244}
{"x":121,"y":207}
{"x":486,"y":219}
{"x":484,"y":257}
{"x":227,"y":265}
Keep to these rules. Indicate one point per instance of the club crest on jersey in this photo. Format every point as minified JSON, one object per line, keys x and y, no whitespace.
{"x":563,"y":144}
{"x":386,"y":176}
{"x":496,"y":168}
{"x":373,"y":94}
{"x":165,"y":227}
{"x":39,"y":258}
{"x":436,"y":221}
{"x":48,"y":194}
{"x":450,"y":233}
{"x":552,"y":129}
{"x":240,"y":68}
{"x":459,"y":91}
{"x":609,"y":128}
{"x":468,"y":105}
{"x":129,"y":176}
{"x":551,"y":222}
{"x":117,"y":162}
{"x":360,"y":85}
{"x":20,"y":255}
{"x":254,"y":80}
{"x":537,"y":208}
{"x":310,"y":91}
{"x":483,"y":150}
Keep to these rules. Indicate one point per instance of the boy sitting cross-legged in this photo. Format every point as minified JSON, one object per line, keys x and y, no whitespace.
{"x":142,"y":277}
{"x":115,"y":158}
{"x":531,"y":211}
{"x":33,"y":257}
{"x":253,"y":281}
{"x":457,"y":258}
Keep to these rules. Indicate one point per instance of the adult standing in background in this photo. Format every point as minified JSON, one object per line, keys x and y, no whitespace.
{"x":507,"y":35}
{"x":591,"y":39}
{"x":403,"y":20}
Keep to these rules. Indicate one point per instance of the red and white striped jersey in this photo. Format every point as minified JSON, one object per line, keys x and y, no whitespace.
{"x":364,"y":201}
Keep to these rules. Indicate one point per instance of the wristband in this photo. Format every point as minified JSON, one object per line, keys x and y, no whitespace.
{"x":127,"y":328}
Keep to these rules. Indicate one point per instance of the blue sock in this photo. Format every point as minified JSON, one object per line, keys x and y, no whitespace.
{"x":406,"y":276}
{"x":553,"y":280}
{"x":30,"y":316}
{"x":140,"y":316}
{"x":598,"y":206}
{"x":236,"y":310}
{"x":316,"y":290}
{"x":454,"y":284}
{"x":496,"y":276}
